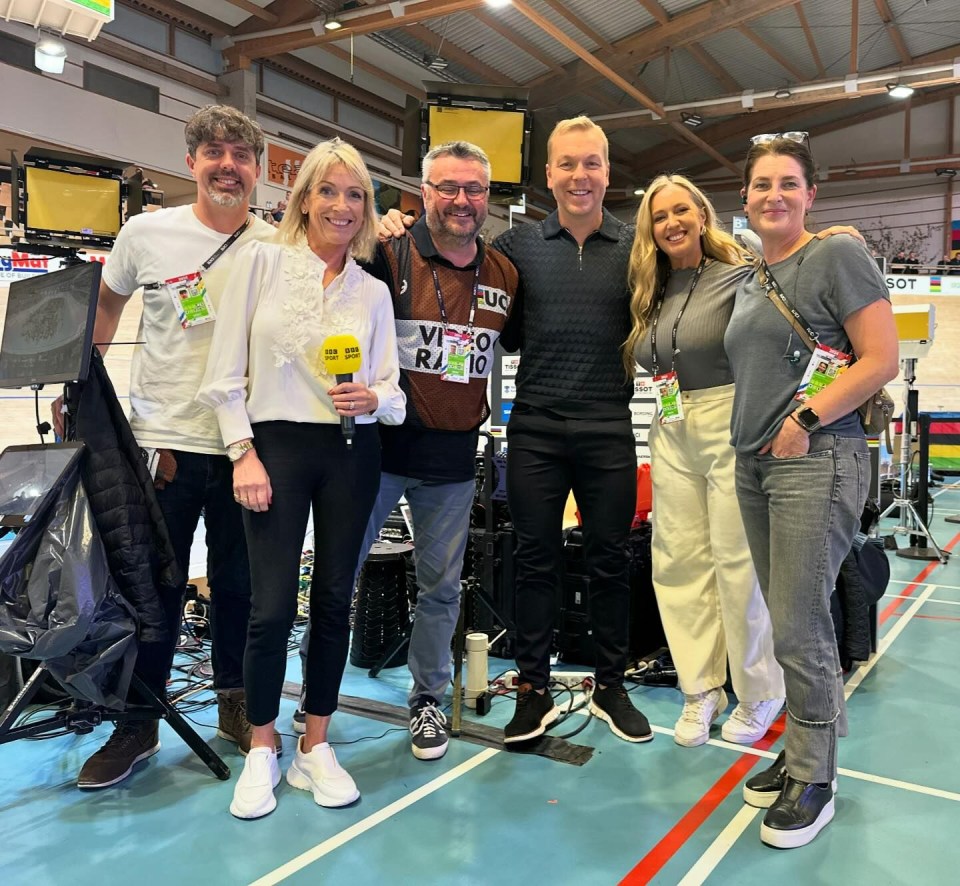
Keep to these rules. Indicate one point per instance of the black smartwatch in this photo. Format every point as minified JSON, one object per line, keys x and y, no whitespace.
{"x":808,"y":419}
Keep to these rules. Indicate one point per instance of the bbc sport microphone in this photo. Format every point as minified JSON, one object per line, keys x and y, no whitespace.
{"x":341,"y":357}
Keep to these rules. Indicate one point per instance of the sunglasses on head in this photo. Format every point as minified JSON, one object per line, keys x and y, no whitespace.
{"x":767,"y":137}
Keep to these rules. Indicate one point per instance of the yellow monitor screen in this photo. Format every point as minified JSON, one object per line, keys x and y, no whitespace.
{"x":499,"y":133}
{"x":72,"y":203}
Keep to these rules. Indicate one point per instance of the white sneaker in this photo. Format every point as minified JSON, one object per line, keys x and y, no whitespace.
{"x":253,"y":795}
{"x":750,"y":721}
{"x":699,"y":712}
{"x":320,"y":772}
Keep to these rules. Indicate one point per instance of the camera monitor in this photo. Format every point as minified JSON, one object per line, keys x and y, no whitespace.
{"x":48,"y":327}
{"x":27,"y":474}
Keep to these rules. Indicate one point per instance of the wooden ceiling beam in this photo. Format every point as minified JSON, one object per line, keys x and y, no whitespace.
{"x":811,"y":43}
{"x":454,"y":53}
{"x":854,"y":36}
{"x":256,"y":11}
{"x":287,"y":12}
{"x":561,"y":10}
{"x":775,"y":54}
{"x":363,"y":20}
{"x":343,"y":55}
{"x":659,"y":14}
{"x":717,"y":71}
{"x":692,"y":26}
{"x":525,"y":9}
{"x":893,"y":31}
{"x":520,"y":42}
{"x":171,"y":10}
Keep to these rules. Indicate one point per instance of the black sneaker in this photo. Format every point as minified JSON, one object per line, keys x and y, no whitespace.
{"x":611,"y":703}
{"x":800,"y":812}
{"x":534,"y":713}
{"x":762,"y":789}
{"x":428,"y":739}
{"x":130,"y":743}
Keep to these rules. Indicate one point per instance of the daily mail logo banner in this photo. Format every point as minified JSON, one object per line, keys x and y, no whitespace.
{"x":16,"y":265}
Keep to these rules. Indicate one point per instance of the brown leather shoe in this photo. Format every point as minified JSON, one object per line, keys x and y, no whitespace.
{"x":130,"y":743}
{"x":233,"y":724}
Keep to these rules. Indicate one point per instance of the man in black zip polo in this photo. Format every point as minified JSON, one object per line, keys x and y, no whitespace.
{"x":570,"y":426}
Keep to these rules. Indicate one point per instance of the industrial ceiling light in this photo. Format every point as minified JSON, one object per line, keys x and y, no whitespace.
{"x":945,"y":170}
{"x":782,"y":93}
{"x":332,"y":22}
{"x":50,"y":53}
{"x":498,"y":4}
{"x":438,"y":63}
{"x":900,"y":90}
{"x":691,"y":120}
{"x":638,"y":192}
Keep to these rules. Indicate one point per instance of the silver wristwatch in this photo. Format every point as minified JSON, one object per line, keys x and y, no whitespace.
{"x":236,"y":450}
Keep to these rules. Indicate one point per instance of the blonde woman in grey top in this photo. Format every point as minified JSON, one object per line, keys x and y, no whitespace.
{"x":684,"y":273}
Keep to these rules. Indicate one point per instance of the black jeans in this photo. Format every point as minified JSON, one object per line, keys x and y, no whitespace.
{"x":204,"y":485}
{"x":309,"y":465}
{"x":548,"y":456}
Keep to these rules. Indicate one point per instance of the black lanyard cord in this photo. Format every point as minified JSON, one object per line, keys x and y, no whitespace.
{"x":676,"y":323}
{"x":443,"y":307}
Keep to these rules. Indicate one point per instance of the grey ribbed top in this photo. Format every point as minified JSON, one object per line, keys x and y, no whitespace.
{"x":701,"y":361}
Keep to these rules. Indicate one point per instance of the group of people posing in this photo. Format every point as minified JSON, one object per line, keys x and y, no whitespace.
{"x":758,"y":486}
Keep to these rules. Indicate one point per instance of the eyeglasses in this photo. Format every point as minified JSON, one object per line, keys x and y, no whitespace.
{"x":767,"y":137}
{"x":450,"y":190}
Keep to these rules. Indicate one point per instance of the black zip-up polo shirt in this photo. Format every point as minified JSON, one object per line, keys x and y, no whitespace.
{"x":571,"y":318}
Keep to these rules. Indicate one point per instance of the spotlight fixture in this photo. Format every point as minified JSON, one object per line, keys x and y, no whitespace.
{"x":639,"y":192}
{"x":900,"y":90}
{"x":50,"y":53}
{"x":332,"y":22}
{"x":945,"y":170}
{"x":782,"y":93}
{"x":437,"y":63}
{"x":498,"y":4}
{"x":691,"y":120}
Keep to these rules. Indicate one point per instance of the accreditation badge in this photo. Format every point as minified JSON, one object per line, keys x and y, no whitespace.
{"x":191,"y":300}
{"x":455,"y":363}
{"x":669,"y":404}
{"x":825,"y":366}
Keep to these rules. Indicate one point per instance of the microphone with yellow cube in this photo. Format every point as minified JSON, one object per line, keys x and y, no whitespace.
{"x":341,"y":358}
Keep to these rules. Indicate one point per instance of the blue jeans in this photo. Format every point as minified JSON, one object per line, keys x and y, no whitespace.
{"x":441,"y":526}
{"x":801,"y":515}
{"x":204,"y":485}
{"x":548,"y":457}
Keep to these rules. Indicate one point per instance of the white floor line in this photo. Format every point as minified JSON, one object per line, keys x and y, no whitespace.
{"x":311,"y":855}
{"x":720,"y":846}
{"x":725,"y":840}
{"x":894,"y":581}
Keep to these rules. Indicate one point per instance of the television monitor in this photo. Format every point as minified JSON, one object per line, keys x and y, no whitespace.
{"x":500,"y":133}
{"x":71,"y":204}
{"x":48,"y":327}
{"x":27,"y":474}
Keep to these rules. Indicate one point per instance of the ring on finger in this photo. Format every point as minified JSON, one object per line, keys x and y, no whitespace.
{"x":350,"y":406}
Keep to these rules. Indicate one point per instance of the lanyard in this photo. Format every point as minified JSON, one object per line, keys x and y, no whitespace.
{"x":220,"y":251}
{"x":676,"y":323}
{"x":796,"y":319}
{"x":473,"y":300}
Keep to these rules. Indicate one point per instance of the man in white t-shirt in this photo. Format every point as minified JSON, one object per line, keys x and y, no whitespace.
{"x":177,"y":256}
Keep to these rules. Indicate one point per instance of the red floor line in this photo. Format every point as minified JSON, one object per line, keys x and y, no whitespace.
{"x":648,"y":866}
{"x":938,"y":617}
{"x":656,"y":858}
{"x":920,"y":578}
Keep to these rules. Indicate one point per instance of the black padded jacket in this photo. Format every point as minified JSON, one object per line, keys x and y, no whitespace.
{"x":124,"y":504}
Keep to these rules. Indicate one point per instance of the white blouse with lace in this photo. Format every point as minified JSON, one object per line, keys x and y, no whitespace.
{"x":274,"y":314}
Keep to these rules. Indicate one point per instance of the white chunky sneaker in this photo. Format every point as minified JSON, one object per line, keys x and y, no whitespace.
{"x":750,"y":721}
{"x":253,"y":795}
{"x":320,"y":773}
{"x":699,"y":712}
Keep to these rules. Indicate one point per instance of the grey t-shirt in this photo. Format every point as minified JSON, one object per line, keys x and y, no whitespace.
{"x":826,"y":281}
{"x":701,"y":361}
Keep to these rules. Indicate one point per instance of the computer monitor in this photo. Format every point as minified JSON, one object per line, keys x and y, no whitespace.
{"x":27,"y":474}
{"x":48,"y":327}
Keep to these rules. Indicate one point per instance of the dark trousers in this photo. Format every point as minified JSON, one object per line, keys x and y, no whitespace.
{"x":204,"y":485}
{"x":309,"y":466}
{"x":548,"y":456}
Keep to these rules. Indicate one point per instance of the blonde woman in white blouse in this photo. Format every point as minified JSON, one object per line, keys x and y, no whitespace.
{"x":279,"y":414}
